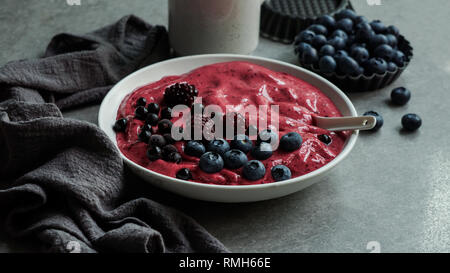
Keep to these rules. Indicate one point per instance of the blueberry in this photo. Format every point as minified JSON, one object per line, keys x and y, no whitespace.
{"x":174,"y":157}
{"x":157,"y":141}
{"x":262,"y":152}
{"x":310,"y":56}
{"x":306,"y":36}
{"x":340,"y":54}
{"x":219,"y":146}
{"x":393,"y":30}
{"x":327,"y":64}
{"x":399,"y":58}
{"x":380,"y":120}
{"x":345,"y":24}
{"x":411,"y":122}
{"x":328,"y":21}
{"x":166,"y":113}
{"x":363,"y":45}
{"x":360,"y":54}
{"x":400,"y":96}
{"x":169,"y":139}
{"x":211,"y":162}
{"x":384,"y":51}
{"x":152,"y":119}
{"x":378,"y":26}
{"x":363,"y":26}
{"x":325,"y":139}
{"x":339,"y":33}
{"x":327,"y":50}
{"x":364,"y":35}
{"x":302,"y":47}
{"x":351,"y":40}
{"x":144,"y":136}
{"x":165,"y":126}
{"x":167,"y":150}
{"x":392,"y":40}
{"x":141,"y":113}
{"x":361,"y":19}
{"x":147,"y":127}
{"x":194,"y":148}
{"x":392,"y":67}
{"x":337,"y":42}
{"x":154,"y":153}
{"x":280,"y":173}
{"x":141,"y":102}
{"x":267,"y":136}
{"x":120,"y":125}
{"x":376,"y":40}
{"x":234,"y":159}
{"x":319,"y":41}
{"x":184,"y":174}
{"x":291,"y":142}
{"x":348,"y":66}
{"x":376,"y":65}
{"x":254,"y":170}
{"x":318,"y":29}
{"x":153,"y":108}
{"x":243,"y":143}
{"x":346,"y":13}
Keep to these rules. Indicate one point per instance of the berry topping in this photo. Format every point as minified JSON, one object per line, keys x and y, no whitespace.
{"x":400,"y":96}
{"x":305,"y":36}
{"x":254,"y":170}
{"x":318,"y":29}
{"x":157,"y":141}
{"x":144,"y":136}
{"x":184,"y":174}
{"x":180,"y":93}
{"x":165,"y":126}
{"x":174,"y":157}
{"x":219,"y":146}
{"x":378,"y":26}
{"x":346,"y":13}
{"x":166,"y":113}
{"x":267,"y":136}
{"x":380,"y":120}
{"x":141,"y":113}
{"x":411,"y":122}
{"x":393,"y":30}
{"x":359,"y":53}
{"x":153,"y":108}
{"x":167,"y":150}
{"x":141,"y":102}
{"x":194,"y":148}
{"x":242,"y":143}
{"x":291,"y":142}
{"x":154,"y":153}
{"x":319,"y":41}
{"x":280,"y":173}
{"x":325,"y":139}
{"x":211,"y":162}
{"x":348,"y":66}
{"x":384,"y":51}
{"x":169,"y":139}
{"x":262,"y":152}
{"x":234,"y":159}
{"x":399,"y":58}
{"x":120,"y":125}
{"x":152,"y":119}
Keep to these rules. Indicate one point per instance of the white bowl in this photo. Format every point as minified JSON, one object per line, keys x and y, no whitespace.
{"x":221,"y":193}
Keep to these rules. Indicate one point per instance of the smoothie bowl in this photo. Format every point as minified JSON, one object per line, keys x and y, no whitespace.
{"x":263,"y":162}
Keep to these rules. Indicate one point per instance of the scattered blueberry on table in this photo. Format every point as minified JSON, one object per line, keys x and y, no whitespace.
{"x":380,"y":120}
{"x":400,"y":96}
{"x":411,"y":122}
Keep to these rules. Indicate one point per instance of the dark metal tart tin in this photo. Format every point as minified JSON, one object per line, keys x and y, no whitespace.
{"x":365,"y":83}
{"x":282,"y":20}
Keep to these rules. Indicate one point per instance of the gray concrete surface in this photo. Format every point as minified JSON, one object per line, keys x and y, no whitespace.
{"x":393,"y":189}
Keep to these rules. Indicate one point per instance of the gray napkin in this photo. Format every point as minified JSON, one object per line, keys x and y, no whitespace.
{"x":62,"y":180}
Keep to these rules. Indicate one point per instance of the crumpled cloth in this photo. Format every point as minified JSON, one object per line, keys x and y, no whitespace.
{"x":62,"y":180}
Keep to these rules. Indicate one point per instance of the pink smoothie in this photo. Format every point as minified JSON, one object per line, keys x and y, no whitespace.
{"x":241,"y":84}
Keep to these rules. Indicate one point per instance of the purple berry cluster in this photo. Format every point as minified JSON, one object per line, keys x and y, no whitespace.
{"x":350,"y":45}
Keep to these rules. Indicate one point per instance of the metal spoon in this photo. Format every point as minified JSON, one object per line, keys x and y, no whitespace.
{"x":346,"y":123}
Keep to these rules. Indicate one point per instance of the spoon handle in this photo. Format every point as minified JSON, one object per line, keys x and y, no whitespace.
{"x":346,"y":123}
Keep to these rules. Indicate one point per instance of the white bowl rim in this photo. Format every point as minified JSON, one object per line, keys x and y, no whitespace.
{"x":344,"y":153}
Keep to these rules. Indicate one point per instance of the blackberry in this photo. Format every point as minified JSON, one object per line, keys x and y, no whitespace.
{"x":180,"y":93}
